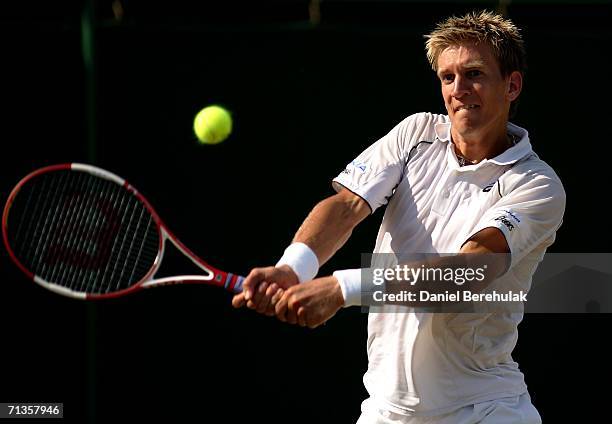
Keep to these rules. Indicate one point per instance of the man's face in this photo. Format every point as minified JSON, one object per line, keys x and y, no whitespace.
{"x":475,"y":94}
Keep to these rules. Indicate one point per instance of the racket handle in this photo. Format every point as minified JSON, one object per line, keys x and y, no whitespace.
{"x":237,"y":288}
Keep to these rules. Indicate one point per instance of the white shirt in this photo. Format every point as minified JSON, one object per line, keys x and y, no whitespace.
{"x":430,"y":364}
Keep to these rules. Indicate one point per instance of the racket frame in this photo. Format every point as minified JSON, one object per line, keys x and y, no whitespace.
{"x":213,"y":276}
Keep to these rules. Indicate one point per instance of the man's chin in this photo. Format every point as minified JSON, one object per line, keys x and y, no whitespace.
{"x":464,"y":126}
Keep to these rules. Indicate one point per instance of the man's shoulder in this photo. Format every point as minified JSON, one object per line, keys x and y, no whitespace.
{"x":532,"y":165}
{"x":532,"y":169}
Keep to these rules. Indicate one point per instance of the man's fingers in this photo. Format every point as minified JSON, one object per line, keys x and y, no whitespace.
{"x":238,"y":300}
{"x":272,"y":294}
{"x":301,"y":316}
{"x":255,"y":300}
{"x":276,"y":297}
{"x":261,"y":298}
{"x":282,"y":277}
{"x":251,"y":282}
{"x":281,"y":307}
{"x":271,"y":290}
{"x":292,"y":309}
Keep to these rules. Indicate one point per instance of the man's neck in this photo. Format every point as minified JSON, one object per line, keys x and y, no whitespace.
{"x":474,"y":149}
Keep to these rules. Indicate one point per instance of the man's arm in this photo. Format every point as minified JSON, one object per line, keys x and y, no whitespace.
{"x":324,"y":231}
{"x":491,"y":243}
{"x":314,"y":303}
{"x":330,"y":224}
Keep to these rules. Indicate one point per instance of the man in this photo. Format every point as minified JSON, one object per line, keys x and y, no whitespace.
{"x":466,"y":183}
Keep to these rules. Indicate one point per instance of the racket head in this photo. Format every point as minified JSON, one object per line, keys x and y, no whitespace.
{"x":81,"y":231}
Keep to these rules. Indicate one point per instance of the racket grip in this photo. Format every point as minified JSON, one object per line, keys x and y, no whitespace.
{"x":237,"y":288}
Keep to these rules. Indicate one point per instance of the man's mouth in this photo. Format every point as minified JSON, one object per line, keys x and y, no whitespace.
{"x":466,"y":107}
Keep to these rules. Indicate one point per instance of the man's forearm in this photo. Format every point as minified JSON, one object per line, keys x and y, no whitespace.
{"x":485,"y":255}
{"x":330,"y":224}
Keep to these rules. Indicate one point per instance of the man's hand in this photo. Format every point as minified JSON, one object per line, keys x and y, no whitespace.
{"x":312,"y":303}
{"x":263,"y":287}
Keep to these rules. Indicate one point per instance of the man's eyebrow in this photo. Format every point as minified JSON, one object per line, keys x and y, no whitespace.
{"x":477,"y":63}
{"x":474,"y":64}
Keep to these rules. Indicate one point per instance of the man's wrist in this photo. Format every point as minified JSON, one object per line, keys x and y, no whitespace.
{"x":302,"y":260}
{"x":350,"y":284}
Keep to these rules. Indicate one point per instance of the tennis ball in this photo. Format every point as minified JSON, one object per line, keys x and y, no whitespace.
{"x":212,"y":124}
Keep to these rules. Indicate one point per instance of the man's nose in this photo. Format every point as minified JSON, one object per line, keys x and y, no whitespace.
{"x":460,"y":87}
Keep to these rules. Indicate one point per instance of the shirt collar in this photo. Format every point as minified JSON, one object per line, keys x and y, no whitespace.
{"x":521,"y":149}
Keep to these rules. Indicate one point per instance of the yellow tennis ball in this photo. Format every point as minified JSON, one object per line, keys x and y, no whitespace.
{"x":212,"y":125}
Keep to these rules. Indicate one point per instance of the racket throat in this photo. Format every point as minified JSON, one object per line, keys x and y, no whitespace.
{"x":180,"y":279}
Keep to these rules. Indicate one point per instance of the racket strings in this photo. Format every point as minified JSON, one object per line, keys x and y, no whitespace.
{"x":83,"y":232}
{"x":57,"y":238}
{"x":44,"y":208}
{"x":118,"y":203}
{"x":141,"y":249}
{"x":21,"y":225}
{"x":87,"y":245}
{"x":36,"y":213}
{"x":114,"y":273}
{"x":64,"y":235}
{"x":88,"y":238}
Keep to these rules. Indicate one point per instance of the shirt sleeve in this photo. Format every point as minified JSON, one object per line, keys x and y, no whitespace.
{"x":529,"y":214}
{"x":377,"y":171}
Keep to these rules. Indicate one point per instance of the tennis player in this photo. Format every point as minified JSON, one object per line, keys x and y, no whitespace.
{"x":468,"y":183}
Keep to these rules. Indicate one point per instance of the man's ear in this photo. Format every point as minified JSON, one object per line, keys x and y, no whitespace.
{"x":515,"y":85}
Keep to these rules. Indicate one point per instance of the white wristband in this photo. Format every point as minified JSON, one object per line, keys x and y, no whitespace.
{"x":302,"y":260}
{"x":350,"y":284}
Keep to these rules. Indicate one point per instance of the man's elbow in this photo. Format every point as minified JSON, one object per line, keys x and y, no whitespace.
{"x":353,"y":208}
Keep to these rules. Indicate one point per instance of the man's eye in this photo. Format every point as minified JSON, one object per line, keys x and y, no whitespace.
{"x":447,"y":78}
{"x":473,"y":73}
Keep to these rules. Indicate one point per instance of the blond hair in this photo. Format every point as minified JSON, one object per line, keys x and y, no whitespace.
{"x":498,"y":32}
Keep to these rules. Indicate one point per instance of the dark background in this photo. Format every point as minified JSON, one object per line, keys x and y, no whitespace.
{"x":306,"y":98}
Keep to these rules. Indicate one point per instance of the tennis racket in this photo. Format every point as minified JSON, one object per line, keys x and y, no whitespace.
{"x":86,"y":233}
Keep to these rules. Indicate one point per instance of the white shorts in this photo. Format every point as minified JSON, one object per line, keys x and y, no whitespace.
{"x":511,"y":410}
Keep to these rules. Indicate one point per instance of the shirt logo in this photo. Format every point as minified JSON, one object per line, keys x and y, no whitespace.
{"x":504,"y":220}
{"x":359,"y":165}
{"x":512,"y":215}
{"x":489,"y":187}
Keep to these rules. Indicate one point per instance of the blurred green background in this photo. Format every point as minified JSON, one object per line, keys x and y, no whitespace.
{"x":310,"y":84}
